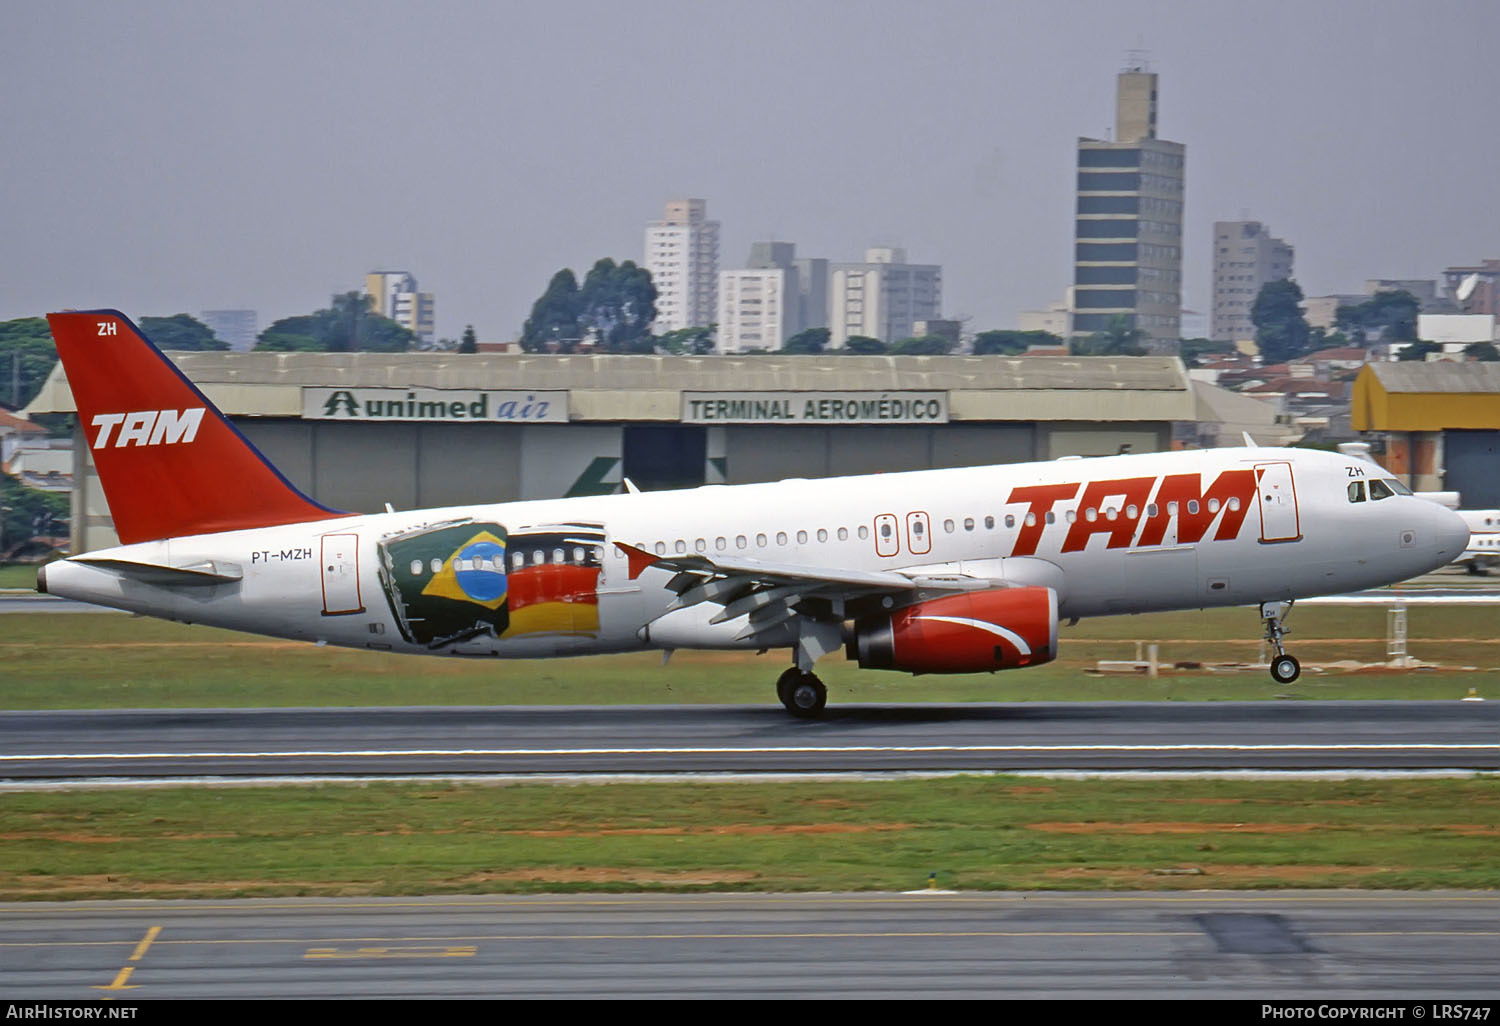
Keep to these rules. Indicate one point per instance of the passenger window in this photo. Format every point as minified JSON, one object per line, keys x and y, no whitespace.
{"x":1356,"y":491}
{"x":1378,"y":491}
{"x":1213,"y":505}
{"x":1071,"y":516}
{"x":864,"y":533}
{"x":1030,"y":519}
{"x":1151,"y":510}
{"x":680,"y":546}
{"x":989,"y":523}
{"x":661,"y":548}
{"x":1131,"y":512}
{"x":885,"y":530}
{"x":822,"y":534}
{"x":558,"y":556}
{"x":1192,"y":507}
{"x":437,"y":566}
{"x":1234,"y":503}
{"x":519,"y":559}
{"x":968,"y":523}
{"x":720,"y":544}
{"x":700,"y":545}
{"x":1051,"y":517}
{"x":416,"y":568}
{"x":780,"y":537}
{"x":948,"y":526}
{"x":801,"y":537}
{"x":740,"y":541}
{"x":1091,"y":514}
{"x":1172,"y":509}
{"x":843,"y":534}
{"x":577,"y":554}
{"x":760,"y":541}
{"x":1010,"y":520}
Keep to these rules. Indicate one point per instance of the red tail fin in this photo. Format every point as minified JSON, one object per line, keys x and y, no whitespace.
{"x":169,"y":462}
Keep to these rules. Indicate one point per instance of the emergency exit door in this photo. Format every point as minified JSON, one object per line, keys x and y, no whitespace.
{"x":340,"y":569}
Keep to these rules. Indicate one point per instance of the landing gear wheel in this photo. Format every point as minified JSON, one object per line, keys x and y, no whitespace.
{"x":784,"y":686}
{"x":1284,"y":668}
{"x":802,"y":693}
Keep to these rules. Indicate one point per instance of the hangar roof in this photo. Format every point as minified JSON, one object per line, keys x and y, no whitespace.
{"x":629,"y":388}
{"x":1411,"y":396}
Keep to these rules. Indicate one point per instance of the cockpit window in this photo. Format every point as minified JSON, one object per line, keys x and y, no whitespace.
{"x":1356,"y":491}
{"x":1379,"y":490}
{"x":1397,"y":486}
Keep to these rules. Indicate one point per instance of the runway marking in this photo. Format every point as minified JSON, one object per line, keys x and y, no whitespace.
{"x":140,"y":949}
{"x":118,"y":983}
{"x":451,"y":951}
{"x":365,"y":753}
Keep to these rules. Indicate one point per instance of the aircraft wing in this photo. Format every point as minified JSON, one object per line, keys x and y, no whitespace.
{"x":772,"y":593}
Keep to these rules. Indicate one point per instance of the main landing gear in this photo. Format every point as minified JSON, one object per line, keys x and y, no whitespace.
{"x":802,"y":693}
{"x":1284,"y":668}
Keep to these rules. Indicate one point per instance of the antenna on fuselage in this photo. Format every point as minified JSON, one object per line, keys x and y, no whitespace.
{"x":630,"y":486}
{"x":1249,"y":442}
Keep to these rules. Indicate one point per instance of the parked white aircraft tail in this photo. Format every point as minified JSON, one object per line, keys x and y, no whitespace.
{"x":937,"y":571}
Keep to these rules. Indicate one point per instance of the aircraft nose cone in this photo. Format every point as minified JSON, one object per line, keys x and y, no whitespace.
{"x":1451,"y":532}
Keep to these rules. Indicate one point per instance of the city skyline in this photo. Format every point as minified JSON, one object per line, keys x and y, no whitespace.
{"x":179,"y":157}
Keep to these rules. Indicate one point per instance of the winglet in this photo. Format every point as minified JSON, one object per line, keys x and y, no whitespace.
{"x":638,"y":559}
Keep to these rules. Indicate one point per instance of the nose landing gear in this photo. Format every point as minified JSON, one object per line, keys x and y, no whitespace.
{"x":803,"y":694}
{"x":1284,"y":668}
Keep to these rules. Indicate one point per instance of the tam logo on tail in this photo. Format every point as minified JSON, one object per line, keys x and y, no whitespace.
{"x":169,"y":462}
{"x":148,"y":427}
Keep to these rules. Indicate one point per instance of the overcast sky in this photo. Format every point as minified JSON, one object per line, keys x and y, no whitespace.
{"x":164,"y":156}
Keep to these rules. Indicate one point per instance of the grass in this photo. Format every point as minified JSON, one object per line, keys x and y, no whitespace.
{"x":975,"y":833}
{"x":16,"y":575}
{"x":86,"y":660}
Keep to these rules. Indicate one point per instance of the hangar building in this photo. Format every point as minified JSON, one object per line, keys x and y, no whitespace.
{"x":359,"y":430}
{"x":1441,"y":422}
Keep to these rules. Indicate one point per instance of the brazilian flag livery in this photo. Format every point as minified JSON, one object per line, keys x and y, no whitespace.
{"x":458,"y":581}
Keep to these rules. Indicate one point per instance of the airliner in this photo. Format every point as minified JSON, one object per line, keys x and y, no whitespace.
{"x":934,"y":571}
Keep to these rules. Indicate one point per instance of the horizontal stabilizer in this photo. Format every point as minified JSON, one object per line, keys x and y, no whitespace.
{"x":197,"y":575}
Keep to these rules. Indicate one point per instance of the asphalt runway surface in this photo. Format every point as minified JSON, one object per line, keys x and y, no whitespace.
{"x":600,"y":740}
{"x":1437,"y":946}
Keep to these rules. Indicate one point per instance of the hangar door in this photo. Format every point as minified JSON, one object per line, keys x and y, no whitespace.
{"x":1472,"y":460}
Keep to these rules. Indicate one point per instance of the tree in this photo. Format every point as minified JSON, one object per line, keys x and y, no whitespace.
{"x":26,"y":358}
{"x":863,"y":345}
{"x":1121,"y":338}
{"x":926,"y":345}
{"x":470,"y":343}
{"x":1389,"y":315}
{"x":617,"y":303}
{"x":1485,"y":352}
{"x":181,"y":332}
{"x":697,"y":341}
{"x":1280,"y":326}
{"x":813,"y":340}
{"x":615,"y":306}
{"x":1416,"y":352}
{"x":28,"y":512}
{"x":1012,"y":343}
{"x":347,"y":325}
{"x":554,"y":316}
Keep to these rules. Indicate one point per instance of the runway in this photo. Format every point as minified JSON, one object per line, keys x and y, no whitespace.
{"x":153,"y":744}
{"x":1249,"y":945}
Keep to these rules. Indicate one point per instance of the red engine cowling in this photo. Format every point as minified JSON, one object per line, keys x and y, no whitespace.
{"x":966,"y":633}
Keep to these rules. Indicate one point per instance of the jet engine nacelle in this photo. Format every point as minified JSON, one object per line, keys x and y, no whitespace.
{"x":965,"y":633}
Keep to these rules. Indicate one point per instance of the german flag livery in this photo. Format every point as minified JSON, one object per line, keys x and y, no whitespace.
{"x":452,"y":582}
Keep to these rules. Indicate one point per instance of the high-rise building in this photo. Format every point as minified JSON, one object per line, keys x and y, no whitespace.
{"x":235,"y":327}
{"x":759,"y":304}
{"x":812,"y":292}
{"x":1128,"y":231}
{"x":1246,"y":257}
{"x":396,"y":297}
{"x":682,"y":254}
{"x":883,"y":297}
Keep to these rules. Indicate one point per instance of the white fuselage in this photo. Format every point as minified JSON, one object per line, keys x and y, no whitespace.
{"x":1109,"y":535}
